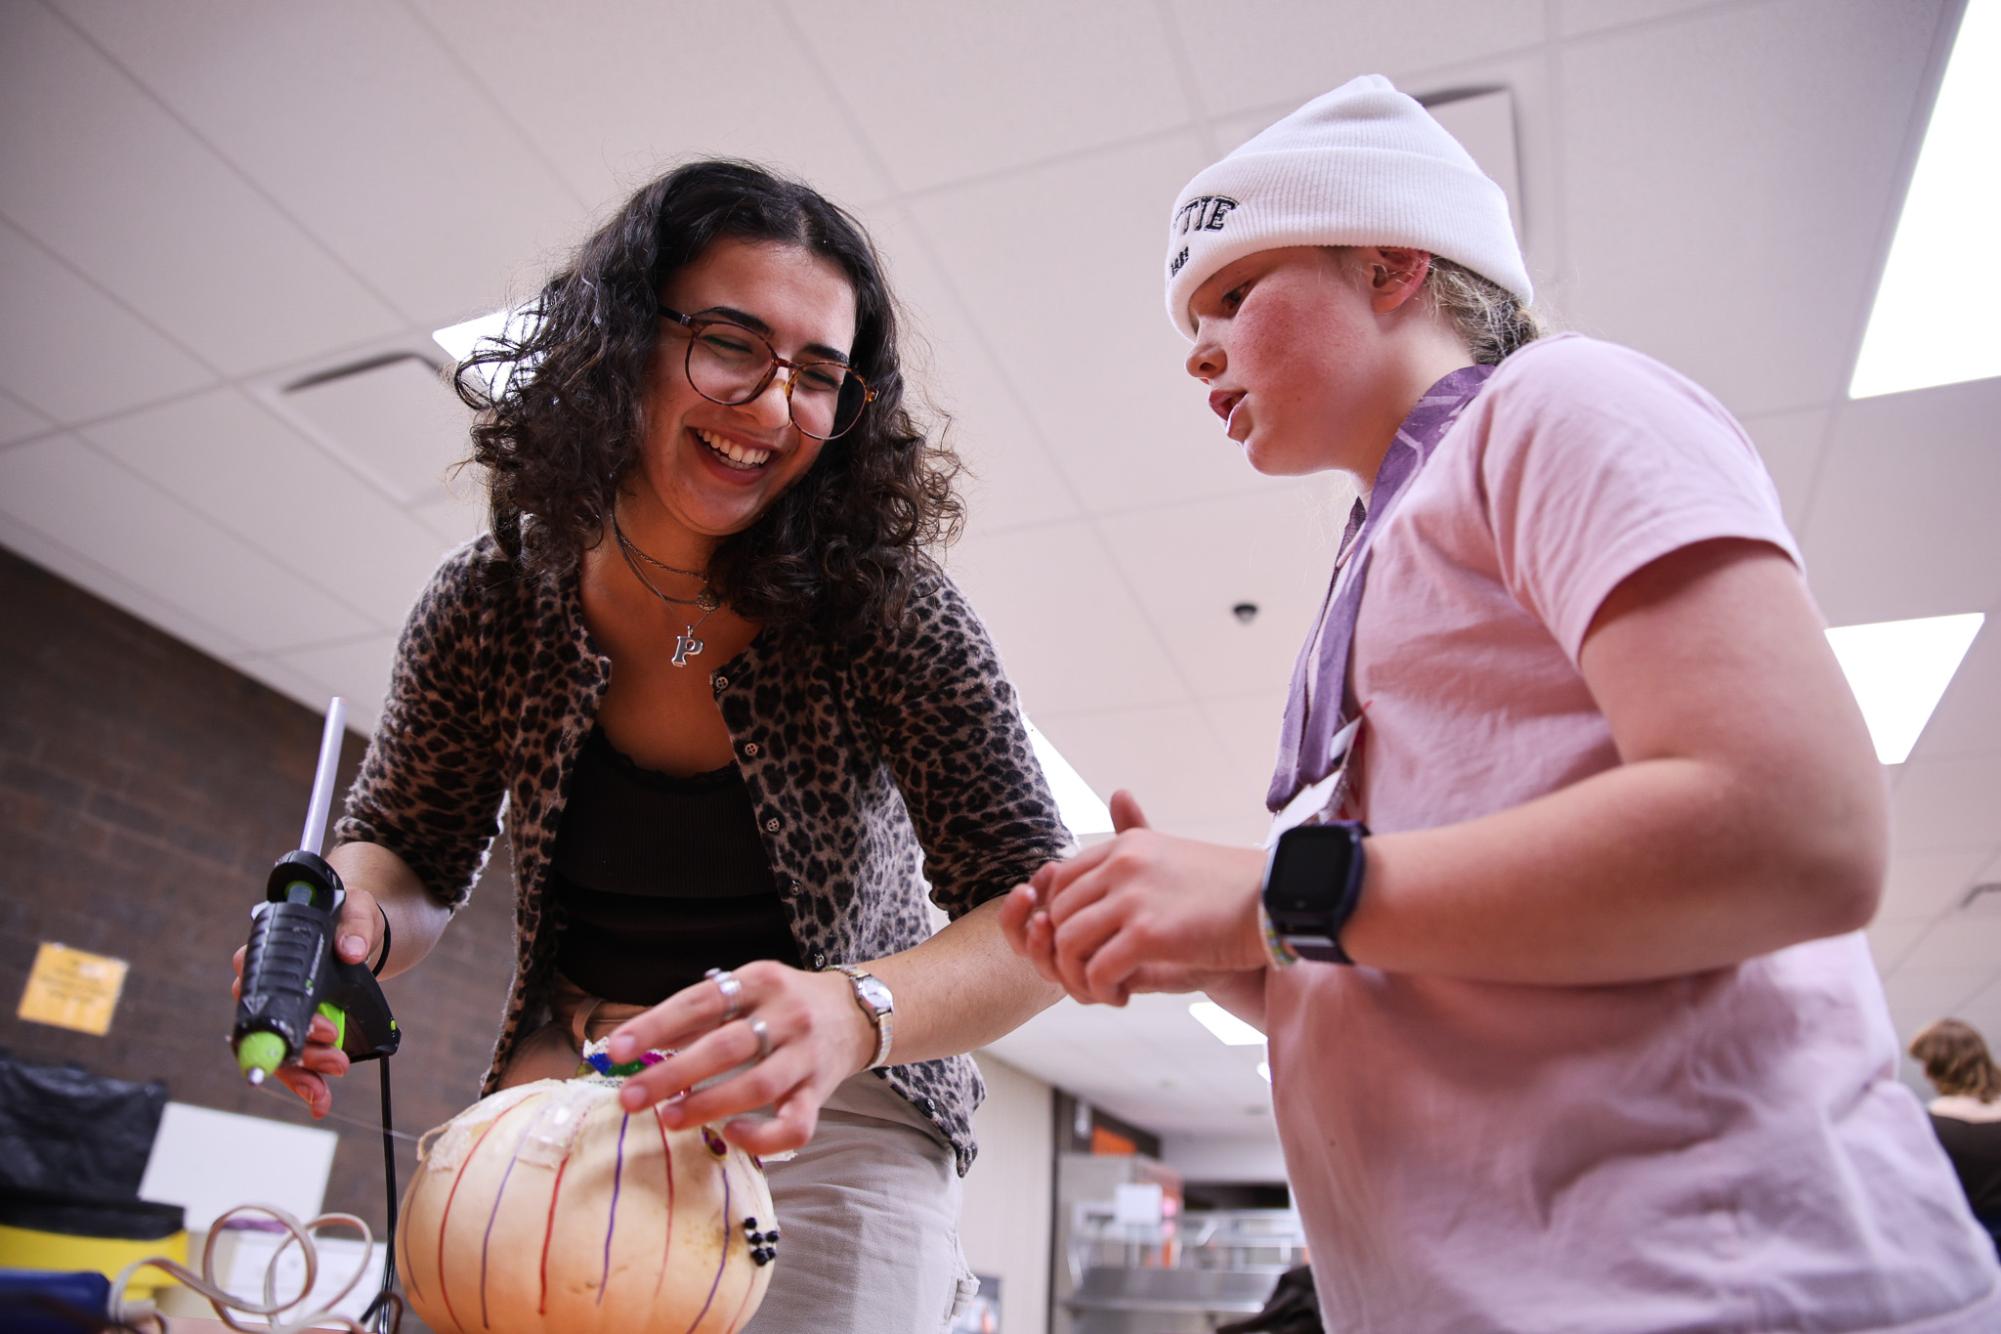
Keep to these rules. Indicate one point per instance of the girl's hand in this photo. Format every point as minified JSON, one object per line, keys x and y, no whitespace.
{"x":817,"y":1037}
{"x":1143,"y":912}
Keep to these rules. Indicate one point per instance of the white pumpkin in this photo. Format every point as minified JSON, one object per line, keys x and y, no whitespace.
{"x":548,"y":1207}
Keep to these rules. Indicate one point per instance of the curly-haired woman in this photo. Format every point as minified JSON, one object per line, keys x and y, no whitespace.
{"x":729,"y":703}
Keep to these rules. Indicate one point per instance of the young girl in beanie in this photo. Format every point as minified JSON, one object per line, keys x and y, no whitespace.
{"x":1556,"y":942}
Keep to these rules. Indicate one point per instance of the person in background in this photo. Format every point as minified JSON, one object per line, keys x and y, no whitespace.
{"x":729,"y":702}
{"x":1966,"y":1114}
{"x":1556,"y":944}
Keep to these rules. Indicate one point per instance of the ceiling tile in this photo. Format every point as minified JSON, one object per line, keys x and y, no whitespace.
{"x":1890,"y":940}
{"x":1149,"y":1063}
{"x":1961,"y":941}
{"x":1919,"y":993}
{"x":1192,"y":564}
{"x":460,"y":513}
{"x":1948,"y":805}
{"x":255,"y":477}
{"x":1584,"y":16}
{"x":103,"y":581}
{"x":394,"y":420}
{"x":1790,"y":443}
{"x":449,"y":216}
{"x":72,"y":352}
{"x":951,"y":369}
{"x":614,"y":101}
{"x":1903,"y":515}
{"x":357,"y":670}
{"x":1025,"y":82}
{"x":1080,"y":327}
{"x":1071,"y":634}
{"x":1922,"y":885}
{"x":1983,"y":1011}
{"x":1249,"y":727}
{"x":1968,"y":719}
{"x":1303,"y":48}
{"x":1168,"y":758}
{"x":71,"y":494}
{"x":1691,"y":152}
{"x":18,"y":421}
{"x":128,"y":195}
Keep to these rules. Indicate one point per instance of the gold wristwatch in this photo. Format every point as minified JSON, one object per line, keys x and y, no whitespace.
{"x":872,"y":994}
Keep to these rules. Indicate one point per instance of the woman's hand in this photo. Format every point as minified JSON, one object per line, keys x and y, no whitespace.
{"x":818,"y":1037}
{"x":1143,"y":912}
{"x":357,"y":936}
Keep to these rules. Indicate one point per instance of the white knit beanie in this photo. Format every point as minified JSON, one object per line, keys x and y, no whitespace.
{"x":1364,"y":165}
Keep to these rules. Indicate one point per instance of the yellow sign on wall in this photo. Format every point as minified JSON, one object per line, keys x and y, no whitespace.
{"x":71,"y":989}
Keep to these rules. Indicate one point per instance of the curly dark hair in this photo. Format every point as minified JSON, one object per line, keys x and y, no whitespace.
{"x":844,"y":545}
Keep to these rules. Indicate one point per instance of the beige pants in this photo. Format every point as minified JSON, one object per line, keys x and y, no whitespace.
{"x":869,"y":1208}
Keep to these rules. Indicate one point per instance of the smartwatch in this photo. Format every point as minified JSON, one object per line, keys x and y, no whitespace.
{"x":1313,"y":880}
{"x":872,"y":995}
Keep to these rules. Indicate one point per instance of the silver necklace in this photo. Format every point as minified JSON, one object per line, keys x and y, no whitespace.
{"x":686,"y":645}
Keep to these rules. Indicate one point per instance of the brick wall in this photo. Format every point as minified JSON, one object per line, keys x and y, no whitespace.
{"x":145,"y":790}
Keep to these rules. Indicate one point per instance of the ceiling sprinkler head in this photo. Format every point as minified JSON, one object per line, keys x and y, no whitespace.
{"x":1245,"y":612}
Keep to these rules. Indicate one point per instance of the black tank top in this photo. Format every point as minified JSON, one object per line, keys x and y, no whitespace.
{"x":660,"y":878}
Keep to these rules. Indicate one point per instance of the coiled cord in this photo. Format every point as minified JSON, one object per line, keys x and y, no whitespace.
{"x":281,"y":1315}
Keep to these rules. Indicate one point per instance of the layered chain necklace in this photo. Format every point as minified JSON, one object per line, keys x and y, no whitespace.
{"x":686,"y":645}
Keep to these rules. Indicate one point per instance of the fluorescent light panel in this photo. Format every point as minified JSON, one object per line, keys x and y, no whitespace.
{"x":1933,"y":322}
{"x":459,"y":340}
{"x":1228,"y":1029}
{"x":1899,"y":670}
{"x":1083,"y":809}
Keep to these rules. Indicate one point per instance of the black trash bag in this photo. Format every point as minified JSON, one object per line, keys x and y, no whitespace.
{"x":68,"y":1131}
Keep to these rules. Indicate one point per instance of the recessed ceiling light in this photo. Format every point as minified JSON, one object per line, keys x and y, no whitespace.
{"x":1226,"y":1026}
{"x":1083,"y":809}
{"x":1899,"y":670}
{"x":1933,"y":323}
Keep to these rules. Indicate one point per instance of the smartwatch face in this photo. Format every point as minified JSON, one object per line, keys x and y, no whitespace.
{"x":1309,"y":871}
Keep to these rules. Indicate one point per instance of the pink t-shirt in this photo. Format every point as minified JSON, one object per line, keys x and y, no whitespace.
{"x":1729,"y":1150}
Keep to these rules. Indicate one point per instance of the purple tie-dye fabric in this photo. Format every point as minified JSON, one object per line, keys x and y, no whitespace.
{"x":1304,"y":742}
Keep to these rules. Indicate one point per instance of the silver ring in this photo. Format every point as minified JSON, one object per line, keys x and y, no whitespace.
{"x":763,"y":1036}
{"x":732,"y":991}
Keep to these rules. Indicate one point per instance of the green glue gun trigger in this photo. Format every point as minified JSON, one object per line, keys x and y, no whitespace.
{"x":290,"y":969}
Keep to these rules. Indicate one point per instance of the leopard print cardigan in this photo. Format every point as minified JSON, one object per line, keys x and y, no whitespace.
{"x":865,"y":760}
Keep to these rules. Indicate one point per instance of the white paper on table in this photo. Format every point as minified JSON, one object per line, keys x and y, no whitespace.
{"x":209,"y":1162}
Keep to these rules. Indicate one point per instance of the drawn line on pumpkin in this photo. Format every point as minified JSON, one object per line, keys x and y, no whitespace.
{"x":667,"y":1247}
{"x":549,"y":1231}
{"x":444,"y":1289}
{"x":486,"y":1238}
{"x":611,"y":1222}
{"x":722,"y":1260}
